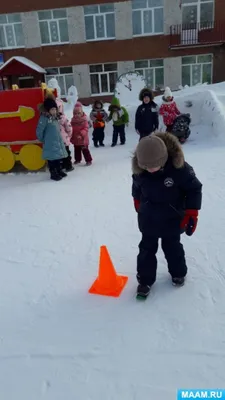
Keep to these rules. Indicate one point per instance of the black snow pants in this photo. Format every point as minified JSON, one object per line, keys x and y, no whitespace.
{"x":118,"y":131}
{"x":55,"y":168}
{"x":98,"y":136}
{"x":147,"y":261}
{"x":144,"y":134}
{"x":67,"y":162}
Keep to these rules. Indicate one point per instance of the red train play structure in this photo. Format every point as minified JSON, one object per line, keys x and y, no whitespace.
{"x":19,"y":116}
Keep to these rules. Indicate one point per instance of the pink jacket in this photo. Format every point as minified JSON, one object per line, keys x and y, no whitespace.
{"x":169,"y":112}
{"x":80,"y":127}
{"x":65,"y":129}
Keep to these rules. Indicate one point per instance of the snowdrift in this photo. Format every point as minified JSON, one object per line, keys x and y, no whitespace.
{"x":205,"y":103}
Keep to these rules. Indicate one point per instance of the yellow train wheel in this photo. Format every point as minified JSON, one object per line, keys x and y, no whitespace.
{"x":7,"y":159}
{"x":31,"y":157}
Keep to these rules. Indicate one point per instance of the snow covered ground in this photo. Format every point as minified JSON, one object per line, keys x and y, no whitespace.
{"x":57,"y":342}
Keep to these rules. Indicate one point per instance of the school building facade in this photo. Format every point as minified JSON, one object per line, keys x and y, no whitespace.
{"x":89,"y":44}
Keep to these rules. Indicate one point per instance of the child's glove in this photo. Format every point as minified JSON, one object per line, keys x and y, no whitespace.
{"x":127,"y":124}
{"x":189,"y":222}
{"x":136,"y":204}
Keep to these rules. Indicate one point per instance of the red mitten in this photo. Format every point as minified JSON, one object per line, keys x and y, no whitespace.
{"x":189,"y":222}
{"x":136,"y":204}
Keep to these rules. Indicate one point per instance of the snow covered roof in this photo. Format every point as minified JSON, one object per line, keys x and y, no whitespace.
{"x":24,"y":61}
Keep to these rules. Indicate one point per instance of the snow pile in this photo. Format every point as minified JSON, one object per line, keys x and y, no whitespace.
{"x":128,"y":88}
{"x":208,"y":105}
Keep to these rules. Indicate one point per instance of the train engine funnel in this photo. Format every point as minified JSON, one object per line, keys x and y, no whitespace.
{"x":24,"y":113}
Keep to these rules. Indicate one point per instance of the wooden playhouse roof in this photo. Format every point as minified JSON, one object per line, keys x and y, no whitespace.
{"x":19,"y":66}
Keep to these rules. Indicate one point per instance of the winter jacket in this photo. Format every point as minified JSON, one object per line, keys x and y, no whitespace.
{"x":65,"y":129}
{"x":48,"y":132}
{"x":118,"y":114}
{"x":165,"y":195}
{"x":146,"y":118}
{"x":80,"y":127}
{"x":98,"y":116}
{"x":169,"y":112}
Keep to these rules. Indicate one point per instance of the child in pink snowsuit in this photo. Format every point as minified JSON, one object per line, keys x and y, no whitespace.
{"x":80,"y":137}
{"x":66,"y":133}
{"x":168,"y":109}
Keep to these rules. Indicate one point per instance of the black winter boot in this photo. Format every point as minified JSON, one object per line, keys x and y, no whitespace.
{"x":143,"y":290}
{"x":62,"y":173}
{"x":55,"y":175}
{"x":178,"y":281}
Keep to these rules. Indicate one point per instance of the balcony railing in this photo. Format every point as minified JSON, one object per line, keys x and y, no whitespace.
{"x":197,"y":34}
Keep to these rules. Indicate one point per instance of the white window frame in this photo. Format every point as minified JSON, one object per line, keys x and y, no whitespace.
{"x":14,"y":35}
{"x":197,"y":63}
{"x":100,"y":13}
{"x":198,"y":4}
{"x":59,"y":74}
{"x":99,"y":79}
{"x":49,"y":29}
{"x":153,"y":20}
{"x":154,"y":87}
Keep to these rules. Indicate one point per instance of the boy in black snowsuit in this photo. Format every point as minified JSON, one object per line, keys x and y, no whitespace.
{"x":146,"y":118}
{"x":167,"y":196}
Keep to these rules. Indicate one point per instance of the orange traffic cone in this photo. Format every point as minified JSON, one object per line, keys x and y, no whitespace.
{"x":108,"y":282}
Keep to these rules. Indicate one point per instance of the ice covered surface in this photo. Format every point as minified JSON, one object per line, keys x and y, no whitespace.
{"x":57,"y":342}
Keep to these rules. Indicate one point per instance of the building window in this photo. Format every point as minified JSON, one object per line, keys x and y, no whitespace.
{"x":103,"y":78}
{"x":99,"y":22}
{"x":53,"y":26}
{"x":153,"y":72}
{"x":198,"y":12}
{"x":197,"y":69}
{"x":11,"y":31}
{"x":64,"y":76}
{"x":147,"y":17}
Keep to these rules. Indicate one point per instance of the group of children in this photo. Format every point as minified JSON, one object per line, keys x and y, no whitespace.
{"x":57,"y":133}
{"x":117,"y":114}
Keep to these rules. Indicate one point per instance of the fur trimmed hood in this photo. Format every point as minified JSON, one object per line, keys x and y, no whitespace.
{"x":148,"y":91}
{"x":94,"y":107}
{"x":174,"y":149}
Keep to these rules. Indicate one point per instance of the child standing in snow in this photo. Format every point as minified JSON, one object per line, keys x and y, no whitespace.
{"x":146,"y":118}
{"x":168,"y":109}
{"x":80,"y":137}
{"x":48,"y":132}
{"x":98,"y":116}
{"x":167,"y":197}
{"x":120,"y":118}
{"x":66,"y":133}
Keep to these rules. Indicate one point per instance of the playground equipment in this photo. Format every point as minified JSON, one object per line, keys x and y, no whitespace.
{"x":19,"y":116}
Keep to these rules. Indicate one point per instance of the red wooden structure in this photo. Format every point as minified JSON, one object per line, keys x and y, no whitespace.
{"x":21,"y":72}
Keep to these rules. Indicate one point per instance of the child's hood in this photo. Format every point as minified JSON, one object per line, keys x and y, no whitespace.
{"x":79,"y":119}
{"x":42,"y":110}
{"x":165,"y":101}
{"x":94,"y":107}
{"x":78,"y":107}
{"x":115,"y":103}
{"x":146,"y":92}
{"x":174,"y":149}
